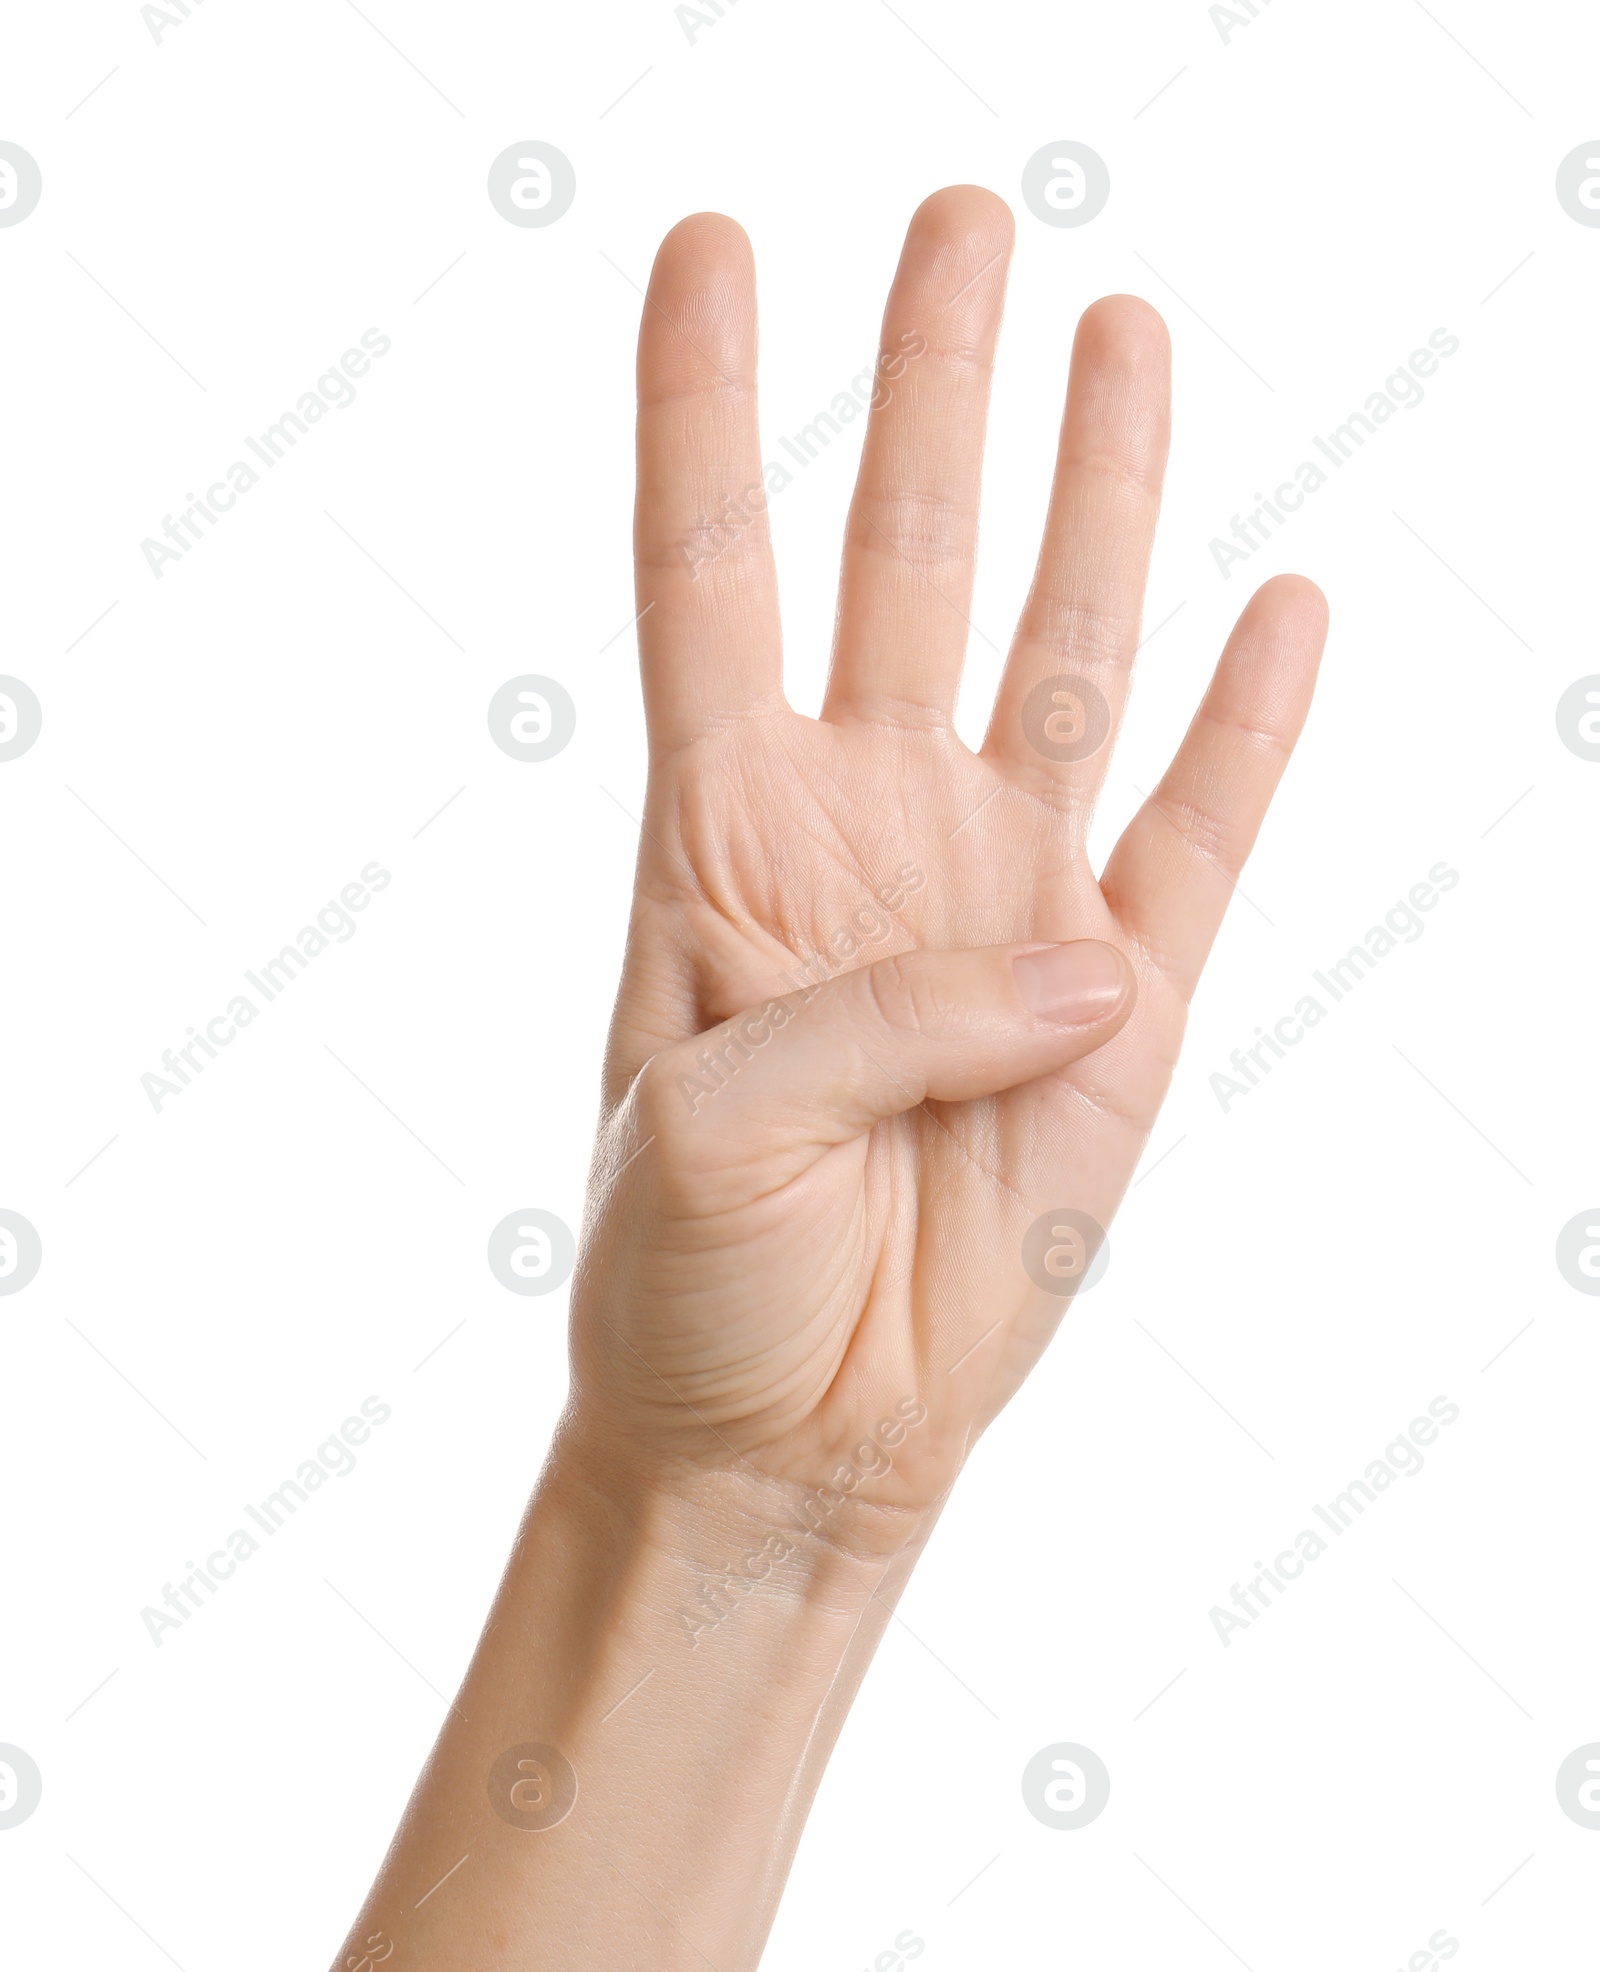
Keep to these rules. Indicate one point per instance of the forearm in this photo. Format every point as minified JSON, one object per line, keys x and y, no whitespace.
{"x":694,"y":1717}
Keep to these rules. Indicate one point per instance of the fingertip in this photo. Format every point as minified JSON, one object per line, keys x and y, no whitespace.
{"x":702,"y":242}
{"x":1296,"y":604}
{"x":1302,"y":594}
{"x":966,"y":212}
{"x":1130,"y":980}
{"x":956,"y":237}
{"x":1126,"y":330}
{"x":1122,"y":1012}
{"x":1085,"y":983}
{"x":698,"y":324}
{"x":1119,"y":399}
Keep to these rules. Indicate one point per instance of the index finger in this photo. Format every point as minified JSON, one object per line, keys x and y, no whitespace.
{"x":709,"y":639}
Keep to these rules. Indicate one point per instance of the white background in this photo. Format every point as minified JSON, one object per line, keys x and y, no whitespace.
{"x":227,"y":747}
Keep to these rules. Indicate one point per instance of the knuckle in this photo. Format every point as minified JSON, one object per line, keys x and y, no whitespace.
{"x":723,"y":543}
{"x":662,"y":1095}
{"x":1239,"y":728}
{"x":1209,"y":835}
{"x":905,"y":997}
{"x":953,"y":362}
{"x":917,"y":525}
{"x":1125,"y":475}
{"x":1067,"y":623}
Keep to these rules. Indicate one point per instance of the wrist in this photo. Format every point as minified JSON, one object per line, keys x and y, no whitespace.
{"x":730,"y":1531}
{"x":625,"y":1665}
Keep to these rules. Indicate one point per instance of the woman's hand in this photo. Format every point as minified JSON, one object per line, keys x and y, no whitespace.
{"x":885,"y":1051}
{"x":879,"y":1016}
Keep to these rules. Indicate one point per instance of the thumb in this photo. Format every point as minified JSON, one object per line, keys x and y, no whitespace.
{"x":825,"y":1065}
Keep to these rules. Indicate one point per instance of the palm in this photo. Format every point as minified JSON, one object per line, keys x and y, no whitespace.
{"x":784,"y":1305}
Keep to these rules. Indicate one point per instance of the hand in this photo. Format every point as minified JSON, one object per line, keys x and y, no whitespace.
{"x":808,"y":1227}
{"x":801,"y":1291}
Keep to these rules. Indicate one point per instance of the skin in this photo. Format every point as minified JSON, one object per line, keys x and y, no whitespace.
{"x":801,"y":1293}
